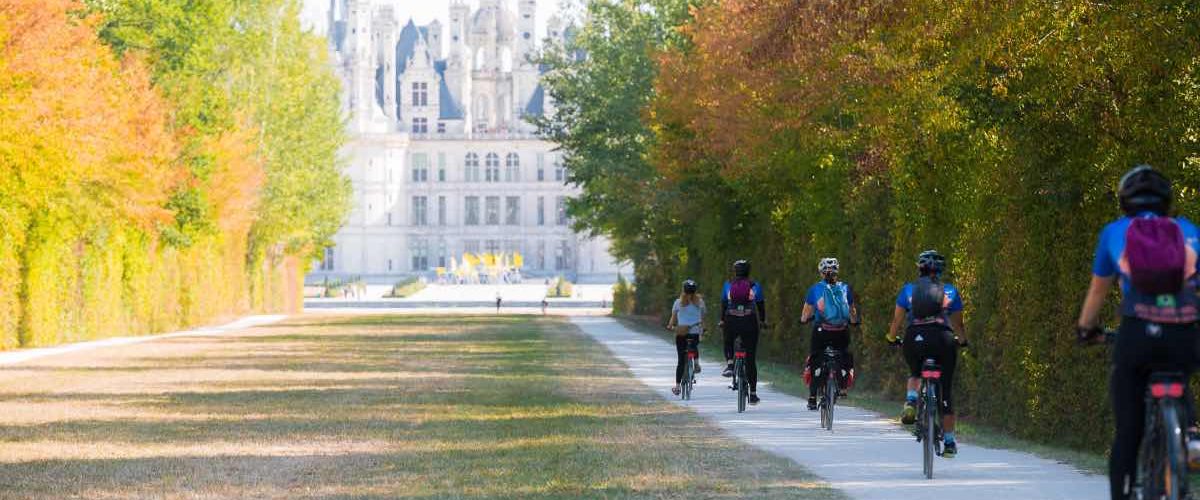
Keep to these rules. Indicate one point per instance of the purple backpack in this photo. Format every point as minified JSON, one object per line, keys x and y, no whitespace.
{"x":1156,"y":254}
{"x":741,"y":292}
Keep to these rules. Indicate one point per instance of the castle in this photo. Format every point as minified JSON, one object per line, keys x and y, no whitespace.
{"x":441,"y":154}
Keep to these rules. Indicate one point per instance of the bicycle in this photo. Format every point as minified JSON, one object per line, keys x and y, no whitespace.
{"x":1162,"y":472}
{"x":929,"y":416}
{"x":740,"y":383}
{"x":827,"y":393}
{"x":689,"y":369}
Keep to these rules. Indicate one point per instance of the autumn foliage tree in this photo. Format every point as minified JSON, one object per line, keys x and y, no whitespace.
{"x":131,"y":177}
{"x":993,"y":131}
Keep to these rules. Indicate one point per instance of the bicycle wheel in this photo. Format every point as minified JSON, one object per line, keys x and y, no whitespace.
{"x":688,"y":374}
{"x":827,"y":399}
{"x":743,"y":386}
{"x":928,"y":421}
{"x":1174,"y":465}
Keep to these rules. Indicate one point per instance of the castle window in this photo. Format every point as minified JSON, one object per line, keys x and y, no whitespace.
{"x":420,"y":125}
{"x":492,"y":167}
{"x":441,"y":127}
{"x":512,"y":168}
{"x":420,"y":94}
{"x":471,"y":167}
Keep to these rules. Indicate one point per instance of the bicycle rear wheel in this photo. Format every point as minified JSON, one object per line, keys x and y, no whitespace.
{"x":827,"y":400}
{"x":928,"y":421}
{"x":1174,"y":465}
{"x":743,"y":386}
{"x":688,"y":374}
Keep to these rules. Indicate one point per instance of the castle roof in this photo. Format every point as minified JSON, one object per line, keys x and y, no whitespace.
{"x":537,"y":103}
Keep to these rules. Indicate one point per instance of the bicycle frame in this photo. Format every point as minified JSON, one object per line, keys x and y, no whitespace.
{"x":689,"y":374}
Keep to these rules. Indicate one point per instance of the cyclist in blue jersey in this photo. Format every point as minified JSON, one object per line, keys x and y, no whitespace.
{"x":743,"y":314}
{"x":830,"y":305}
{"x":932,"y":312}
{"x":1158,"y":309}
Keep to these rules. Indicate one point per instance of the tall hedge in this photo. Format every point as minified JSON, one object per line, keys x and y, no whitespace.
{"x":141,"y":151}
{"x":784,"y":131}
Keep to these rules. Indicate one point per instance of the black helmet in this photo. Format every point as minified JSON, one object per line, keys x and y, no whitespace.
{"x":689,"y":286}
{"x":1144,"y":189}
{"x":741,"y":268}
{"x":930,"y":262}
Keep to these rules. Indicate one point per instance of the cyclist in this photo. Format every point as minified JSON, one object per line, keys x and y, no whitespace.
{"x":686,"y":316}
{"x":743,"y":314}
{"x":1155,"y":258}
{"x":831,"y":304}
{"x":932,"y":311}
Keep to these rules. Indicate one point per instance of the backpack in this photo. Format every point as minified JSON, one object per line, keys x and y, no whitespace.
{"x":835,"y":311}
{"x":741,"y":292}
{"x":928,"y":298}
{"x":1156,"y":254}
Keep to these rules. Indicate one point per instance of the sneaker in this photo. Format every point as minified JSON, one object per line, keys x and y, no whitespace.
{"x":728,"y":370}
{"x":753,"y":398}
{"x":949,"y":450}
{"x":675,"y":390}
{"x":909,"y":414}
{"x":697,"y":367}
{"x":812,"y":403}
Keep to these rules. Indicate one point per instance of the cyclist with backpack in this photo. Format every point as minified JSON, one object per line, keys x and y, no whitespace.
{"x":830,"y":306}
{"x":686,"y":316}
{"x":932,"y":312}
{"x":1154,"y":257}
{"x":743,"y":314}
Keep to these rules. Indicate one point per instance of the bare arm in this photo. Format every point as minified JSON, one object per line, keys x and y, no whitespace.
{"x":956,"y":322}
{"x":854,"y":317}
{"x":806,"y":314}
{"x":1097,"y":291}
{"x":674,"y":320}
{"x":897,"y":318}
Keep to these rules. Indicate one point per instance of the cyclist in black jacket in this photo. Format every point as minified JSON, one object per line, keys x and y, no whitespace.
{"x":743,"y":314}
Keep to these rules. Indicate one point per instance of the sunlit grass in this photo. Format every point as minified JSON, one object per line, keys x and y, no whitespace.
{"x":366,"y":407}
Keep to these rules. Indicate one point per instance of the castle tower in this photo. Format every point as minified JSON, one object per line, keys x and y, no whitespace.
{"x":358,"y":61}
{"x":526,"y":33}
{"x":435,"y":39}
{"x":385,"y":29}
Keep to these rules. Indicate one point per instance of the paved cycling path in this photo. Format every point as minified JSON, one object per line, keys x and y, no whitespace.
{"x":867,"y":456}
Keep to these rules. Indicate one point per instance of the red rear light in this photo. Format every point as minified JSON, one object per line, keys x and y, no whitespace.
{"x":931,"y":374}
{"x":1166,"y":390}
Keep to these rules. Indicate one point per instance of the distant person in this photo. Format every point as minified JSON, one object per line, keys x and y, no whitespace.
{"x":498,"y":301}
{"x":743,"y":314}
{"x":545,"y":303}
{"x":687,"y":315}
{"x":1153,"y":258}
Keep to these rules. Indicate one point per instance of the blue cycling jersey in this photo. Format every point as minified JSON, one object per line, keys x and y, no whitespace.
{"x":1179,"y":308}
{"x":953,"y":302}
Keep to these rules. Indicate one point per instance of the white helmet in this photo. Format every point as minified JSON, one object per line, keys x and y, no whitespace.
{"x":828,"y":264}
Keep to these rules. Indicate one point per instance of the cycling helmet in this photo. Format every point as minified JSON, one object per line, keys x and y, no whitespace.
{"x":931,"y":262}
{"x":828,"y":264}
{"x":741,"y":268}
{"x":1144,"y":189}
{"x":689,"y":286}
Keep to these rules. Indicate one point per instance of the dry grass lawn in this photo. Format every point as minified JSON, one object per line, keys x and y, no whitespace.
{"x":366,"y":407}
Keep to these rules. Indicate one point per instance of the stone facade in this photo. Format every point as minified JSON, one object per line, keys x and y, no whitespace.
{"x":441,"y":155}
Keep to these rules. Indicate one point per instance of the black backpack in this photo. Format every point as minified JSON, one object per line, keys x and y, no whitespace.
{"x":928,"y":298}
